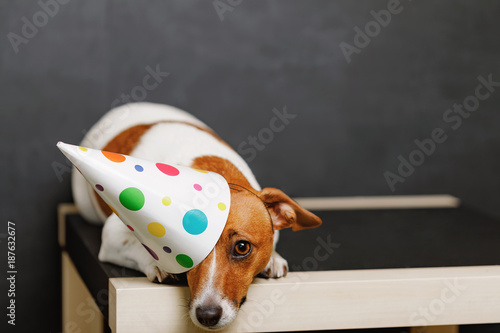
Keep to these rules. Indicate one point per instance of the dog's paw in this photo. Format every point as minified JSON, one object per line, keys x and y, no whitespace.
{"x":276,"y":267}
{"x":155,"y":273}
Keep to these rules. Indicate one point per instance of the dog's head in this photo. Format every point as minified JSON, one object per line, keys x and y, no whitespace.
{"x":220,"y":283}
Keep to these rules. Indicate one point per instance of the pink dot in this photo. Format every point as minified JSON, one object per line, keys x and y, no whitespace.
{"x":167,"y":169}
{"x":197,"y":187}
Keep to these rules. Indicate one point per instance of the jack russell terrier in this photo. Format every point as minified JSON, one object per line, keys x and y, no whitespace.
{"x":245,"y":249}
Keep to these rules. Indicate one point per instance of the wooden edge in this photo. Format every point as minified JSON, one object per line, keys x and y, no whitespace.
{"x":380,"y":202}
{"x":80,"y":312}
{"x":112,"y":297}
{"x":63,"y":209}
{"x":325,"y":300}
{"x":435,"y":329}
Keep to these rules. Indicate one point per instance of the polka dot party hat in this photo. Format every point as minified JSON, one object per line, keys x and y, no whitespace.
{"x":177,"y":213}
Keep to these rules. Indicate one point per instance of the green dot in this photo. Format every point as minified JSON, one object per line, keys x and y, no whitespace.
{"x":184,"y":260}
{"x":132,"y":198}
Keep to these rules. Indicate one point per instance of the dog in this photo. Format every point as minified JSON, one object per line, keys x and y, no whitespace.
{"x":245,"y":249}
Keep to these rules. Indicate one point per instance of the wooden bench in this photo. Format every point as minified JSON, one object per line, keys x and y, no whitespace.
{"x":375,"y":262}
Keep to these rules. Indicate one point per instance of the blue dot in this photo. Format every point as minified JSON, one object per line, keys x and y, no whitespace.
{"x":139,"y":168}
{"x":195,"y":222}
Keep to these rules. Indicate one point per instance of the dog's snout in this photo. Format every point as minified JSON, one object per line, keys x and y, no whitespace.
{"x":209,"y":315}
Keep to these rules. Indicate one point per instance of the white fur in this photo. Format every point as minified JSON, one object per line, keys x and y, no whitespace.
{"x":210,"y":294}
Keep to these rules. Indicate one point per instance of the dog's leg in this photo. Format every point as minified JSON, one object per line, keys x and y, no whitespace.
{"x":120,"y":247}
{"x":277,"y":266}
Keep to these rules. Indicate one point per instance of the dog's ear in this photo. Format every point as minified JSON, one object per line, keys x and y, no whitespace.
{"x":285,"y":212}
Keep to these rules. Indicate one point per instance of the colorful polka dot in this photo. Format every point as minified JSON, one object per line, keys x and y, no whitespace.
{"x":184,"y":260}
{"x":197,"y":187}
{"x":167,"y":169}
{"x":114,"y":157}
{"x":166,"y":201}
{"x":195,"y":222}
{"x":82,"y":148}
{"x":99,"y":187}
{"x":167,"y":249}
{"x":139,"y":168}
{"x":151,"y":252}
{"x":131,"y":229}
{"x":222,"y":206}
{"x":132,"y":198}
{"x":156,"y":229}
{"x":202,"y":171}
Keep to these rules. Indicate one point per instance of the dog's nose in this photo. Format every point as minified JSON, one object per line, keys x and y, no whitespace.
{"x":209,"y":315}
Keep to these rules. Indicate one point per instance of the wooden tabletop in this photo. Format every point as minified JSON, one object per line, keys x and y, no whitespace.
{"x":355,"y":257}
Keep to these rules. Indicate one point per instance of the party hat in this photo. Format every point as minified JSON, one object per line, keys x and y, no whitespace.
{"x":177,"y":213}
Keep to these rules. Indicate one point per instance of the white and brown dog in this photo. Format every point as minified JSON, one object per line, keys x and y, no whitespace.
{"x":246,"y":247}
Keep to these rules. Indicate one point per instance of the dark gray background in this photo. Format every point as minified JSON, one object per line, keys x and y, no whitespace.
{"x":353,"y":119}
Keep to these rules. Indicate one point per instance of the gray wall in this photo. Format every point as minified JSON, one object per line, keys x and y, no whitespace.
{"x":353,"y":119}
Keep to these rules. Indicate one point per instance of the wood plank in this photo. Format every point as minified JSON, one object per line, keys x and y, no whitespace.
{"x":63,"y":209}
{"x":324,"y":300}
{"x":79,"y":310}
{"x":435,"y":329}
{"x":379,"y":202}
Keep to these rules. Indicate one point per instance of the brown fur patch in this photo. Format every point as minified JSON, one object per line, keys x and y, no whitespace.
{"x":223,"y":167}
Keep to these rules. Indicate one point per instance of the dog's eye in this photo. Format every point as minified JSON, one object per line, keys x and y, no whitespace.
{"x":242,"y":248}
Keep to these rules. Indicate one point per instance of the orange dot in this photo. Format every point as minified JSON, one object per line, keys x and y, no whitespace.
{"x":113,"y":157}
